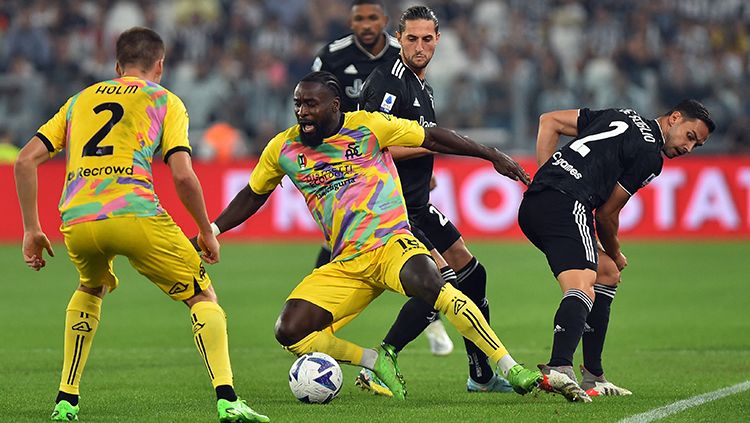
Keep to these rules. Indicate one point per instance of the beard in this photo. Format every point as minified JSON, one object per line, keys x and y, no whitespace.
{"x":313,"y":138}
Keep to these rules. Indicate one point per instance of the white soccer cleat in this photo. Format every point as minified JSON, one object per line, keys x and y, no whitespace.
{"x":598,"y":386}
{"x":561,"y":380}
{"x":440,"y":342}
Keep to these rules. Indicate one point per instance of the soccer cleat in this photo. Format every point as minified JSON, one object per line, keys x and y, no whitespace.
{"x":496,"y":384}
{"x":598,"y":386}
{"x":238,"y":411}
{"x":386,"y":369}
{"x":440,"y":342}
{"x":367,"y":381}
{"x":561,"y":380}
{"x":523,"y":380}
{"x":65,"y":412}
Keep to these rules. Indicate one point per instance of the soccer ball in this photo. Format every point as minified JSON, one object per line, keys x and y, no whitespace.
{"x":315,"y":378}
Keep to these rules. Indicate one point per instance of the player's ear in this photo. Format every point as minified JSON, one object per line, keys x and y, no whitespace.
{"x":336,"y":105}
{"x":118,"y":69}
{"x":159,"y":69}
{"x":674,"y":117}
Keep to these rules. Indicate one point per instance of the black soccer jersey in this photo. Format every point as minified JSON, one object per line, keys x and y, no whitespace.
{"x":393,"y":88}
{"x":352,"y":63}
{"x":612,"y":147}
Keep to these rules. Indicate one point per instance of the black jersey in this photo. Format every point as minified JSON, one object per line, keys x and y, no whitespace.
{"x":612,"y":146}
{"x":352,"y":63}
{"x":393,"y":88}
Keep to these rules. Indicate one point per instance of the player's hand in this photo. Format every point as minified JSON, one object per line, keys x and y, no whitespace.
{"x":621,"y":261}
{"x":194,"y":241}
{"x":33,"y":245}
{"x":209,"y":247}
{"x":505,"y":165}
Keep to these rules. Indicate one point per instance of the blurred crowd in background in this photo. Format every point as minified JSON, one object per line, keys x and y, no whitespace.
{"x":499,"y":63}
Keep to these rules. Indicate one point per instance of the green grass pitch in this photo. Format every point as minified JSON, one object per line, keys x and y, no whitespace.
{"x":680,"y":327}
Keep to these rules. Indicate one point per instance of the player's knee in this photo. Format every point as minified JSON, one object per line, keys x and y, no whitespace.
{"x":421,"y":279}
{"x":207,"y":294}
{"x":99,"y":291}
{"x":608,"y":274}
{"x":298,"y":319}
{"x":287,"y":332}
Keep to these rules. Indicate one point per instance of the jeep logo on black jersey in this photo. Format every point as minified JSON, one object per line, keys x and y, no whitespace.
{"x":356,"y":87}
{"x":352,"y":151}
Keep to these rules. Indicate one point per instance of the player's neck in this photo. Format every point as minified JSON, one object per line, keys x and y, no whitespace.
{"x":377,"y":47}
{"x":137,"y":73}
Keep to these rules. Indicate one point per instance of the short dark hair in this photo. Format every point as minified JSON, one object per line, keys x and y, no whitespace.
{"x":417,"y":12}
{"x":693,"y":109}
{"x":326,"y":78}
{"x":139,"y":46}
{"x":375,"y":2}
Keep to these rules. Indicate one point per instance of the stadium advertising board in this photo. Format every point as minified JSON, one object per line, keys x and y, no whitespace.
{"x":696,"y":197}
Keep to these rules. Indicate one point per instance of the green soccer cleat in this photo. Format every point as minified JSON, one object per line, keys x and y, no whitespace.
{"x":386,"y":369}
{"x":238,"y":411}
{"x":367,"y":381}
{"x":523,"y":380}
{"x":496,"y":384}
{"x":65,"y":412}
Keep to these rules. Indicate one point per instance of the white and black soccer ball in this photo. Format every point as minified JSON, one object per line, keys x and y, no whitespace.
{"x":315,"y":378}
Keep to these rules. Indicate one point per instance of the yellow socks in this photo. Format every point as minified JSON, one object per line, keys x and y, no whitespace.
{"x":210,"y":335}
{"x":466,"y":317}
{"x":324,"y":341}
{"x":81,"y":321}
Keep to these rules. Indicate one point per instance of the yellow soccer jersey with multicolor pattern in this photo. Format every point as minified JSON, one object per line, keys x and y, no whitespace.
{"x":111,"y":132}
{"x":349,"y":182}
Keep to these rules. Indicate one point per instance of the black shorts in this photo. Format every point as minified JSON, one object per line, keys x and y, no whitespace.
{"x":561,"y":227}
{"x":433,"y":228}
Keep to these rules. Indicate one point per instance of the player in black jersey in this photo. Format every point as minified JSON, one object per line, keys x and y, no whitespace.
{"x":399,"y":88}
{"x":614,"y":153}
{"x":352,"y":58}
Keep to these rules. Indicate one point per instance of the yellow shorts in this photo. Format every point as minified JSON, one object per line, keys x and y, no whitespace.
{"x":155,"y":246}
{"x":345,"y":288}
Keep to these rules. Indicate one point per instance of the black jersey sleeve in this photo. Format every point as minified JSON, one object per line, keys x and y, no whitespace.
{"x":321,"y":62}
{"x":381,"y":92}
{"x":644,"y":169}
{"x":586,"y":116}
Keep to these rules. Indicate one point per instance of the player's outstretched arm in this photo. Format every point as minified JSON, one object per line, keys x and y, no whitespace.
{"x":189,"y":190}
{"x":33,"y":154}
{"x":245,"y":204}
{"x":551,"y":126}
{"x":449,"y":142}
{"x":607,"y":224}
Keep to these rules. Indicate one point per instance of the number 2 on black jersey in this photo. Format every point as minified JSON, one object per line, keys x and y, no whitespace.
{"x":580,"y":146}
{"x":92,"y":146}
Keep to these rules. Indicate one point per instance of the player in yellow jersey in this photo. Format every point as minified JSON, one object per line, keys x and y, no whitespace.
{"x":111,"y":132}
{"x":341,"y":164}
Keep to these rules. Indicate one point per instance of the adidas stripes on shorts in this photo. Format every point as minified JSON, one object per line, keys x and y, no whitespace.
{"x":561,"y":227}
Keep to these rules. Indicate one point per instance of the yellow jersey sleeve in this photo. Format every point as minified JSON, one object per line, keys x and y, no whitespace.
{"x":176,"y":122}
{"x":268,"y":172}
{"x":54,"y":132}
{"x":390,"y":130}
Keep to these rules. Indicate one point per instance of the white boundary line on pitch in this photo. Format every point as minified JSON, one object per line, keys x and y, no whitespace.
{"x":674,"y":408}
